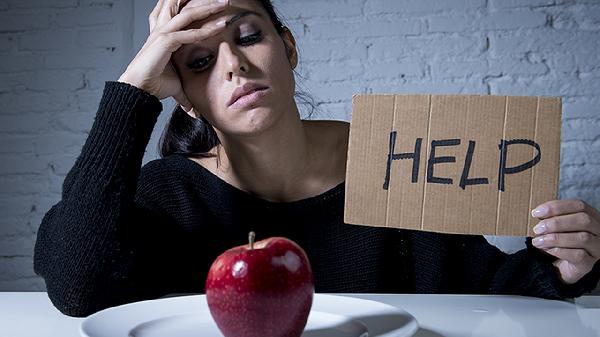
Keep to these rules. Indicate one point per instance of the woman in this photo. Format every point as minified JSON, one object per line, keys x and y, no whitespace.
{"x":121,"y":233}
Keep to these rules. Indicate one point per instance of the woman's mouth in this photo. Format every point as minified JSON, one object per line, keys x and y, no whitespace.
{"x":252,"y":97}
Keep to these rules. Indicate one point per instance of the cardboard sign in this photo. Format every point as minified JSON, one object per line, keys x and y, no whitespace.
{"x":452,"y":164}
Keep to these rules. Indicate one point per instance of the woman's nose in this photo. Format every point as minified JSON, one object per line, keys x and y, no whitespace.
{"x":234,"y":61}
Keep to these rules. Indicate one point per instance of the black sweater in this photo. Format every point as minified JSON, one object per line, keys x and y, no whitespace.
{"x":123,"y":233}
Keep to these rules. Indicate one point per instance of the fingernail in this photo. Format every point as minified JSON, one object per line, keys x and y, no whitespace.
{"x":539,"y":211}
{"x":223,"y":1}
{"x":540,"y":228}
{"x":538,"y":241}
{"x":221,"y":23}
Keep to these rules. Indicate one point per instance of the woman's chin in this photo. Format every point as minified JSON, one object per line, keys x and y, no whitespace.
{"x":254,"y":121}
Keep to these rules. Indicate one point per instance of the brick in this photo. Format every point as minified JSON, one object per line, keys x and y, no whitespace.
{"x":460,"y":68}
{"x":88,"y":100}
{"x":100,"y":38}
{"x":20,"y":245}
{"x":22,"y":184}
{"x":27,"y":101}
{"x":585,"y":86}
{"x":23,"y":284}
{"x":587,"y":59}
{"x":581,"y":129}
{"x":16,"y":267}
{"x":580,"y":152}
{"x":394,"y":69}
{"x":299,"y":9}
{"x":40,"y":80}
{"x":75,"y":122}
{"x":96,"y":3}
{"x":42,"y":3}
{"x":448,"y":24}
{"x":51,"y":143}
{"x":421,"y":6}
{"x":22,"y":164}
{"x":15,"y":62}
{"x":503,"y":43}
{"x":7,"y":42}
{"x":519,"y":86}
{"x":335,"y":91}
{"x":511,"y":66}
{"x":449,"y":86}
{"x":575,"y":175}
{"x":580,"y":108}
{"x":505,"y":20}
{"x":24,"y":124}
{"x":54,"y":39}
{"x":369,"y":28}
{"x":428,"y":46}
{"x":16,"y":143}
{"x":16,"y":206}
{"x":561,"y":63}
{"x":346,"y":70}
{"x":81,"y":59}
{"x":17,"y":22}
{"x":325,"y":50}
{"x":86,"y":16}
{"x":520,"y":3}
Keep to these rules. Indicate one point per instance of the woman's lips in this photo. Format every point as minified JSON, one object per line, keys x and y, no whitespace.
{"x":250,"y":98}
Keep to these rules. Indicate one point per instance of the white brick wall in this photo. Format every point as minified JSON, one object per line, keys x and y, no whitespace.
{"x":55,"y":56}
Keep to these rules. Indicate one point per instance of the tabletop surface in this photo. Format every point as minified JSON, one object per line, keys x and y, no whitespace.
{"x":28,"y":314}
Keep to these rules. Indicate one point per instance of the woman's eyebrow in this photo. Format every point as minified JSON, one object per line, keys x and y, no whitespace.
{"x":241,"y":15}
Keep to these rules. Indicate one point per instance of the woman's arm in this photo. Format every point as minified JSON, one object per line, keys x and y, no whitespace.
{"x":475,"y":266}
{"x":85,"y":247}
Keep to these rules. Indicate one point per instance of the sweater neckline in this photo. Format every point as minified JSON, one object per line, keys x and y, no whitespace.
{"x":316,"y":199}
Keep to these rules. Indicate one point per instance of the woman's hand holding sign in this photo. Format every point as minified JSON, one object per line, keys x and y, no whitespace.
{"x":570,"y":231}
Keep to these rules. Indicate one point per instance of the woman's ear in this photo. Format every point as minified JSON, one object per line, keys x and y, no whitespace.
{"x":290,"y":47}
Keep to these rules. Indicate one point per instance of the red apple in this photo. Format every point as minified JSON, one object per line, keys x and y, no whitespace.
{"x":264,"y":289}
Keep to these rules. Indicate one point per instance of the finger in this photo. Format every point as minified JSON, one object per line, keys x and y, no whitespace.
{"x":577,"y":222}
{"x":165,"y":13}
{"x":154,"y":14}
{"x":188,"y":16}
{"x":176,"y":39}
{"x":559,"y":207}
{"x":574,"y":256}
{"x":181,"y":4}
{"x":579,"y":240}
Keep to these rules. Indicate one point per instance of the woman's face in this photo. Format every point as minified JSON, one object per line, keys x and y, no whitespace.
{"x":248,"y":50}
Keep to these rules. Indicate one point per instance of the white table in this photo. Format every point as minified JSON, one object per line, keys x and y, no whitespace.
{"x":25,"y":314}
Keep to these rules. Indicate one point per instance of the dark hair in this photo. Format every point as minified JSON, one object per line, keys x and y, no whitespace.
{"x":195,"y":137}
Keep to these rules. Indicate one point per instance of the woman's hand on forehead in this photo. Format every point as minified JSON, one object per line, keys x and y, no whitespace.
{"x":195,"y":3}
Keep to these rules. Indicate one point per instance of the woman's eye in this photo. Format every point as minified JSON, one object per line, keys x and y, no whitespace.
{"x":200,"y":63}
{"x":250,"y":39}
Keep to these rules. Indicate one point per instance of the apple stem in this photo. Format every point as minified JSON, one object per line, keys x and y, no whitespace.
{"x":251,"y":237}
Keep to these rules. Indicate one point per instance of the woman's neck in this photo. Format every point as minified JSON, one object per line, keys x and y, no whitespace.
{"x":276,"y":165}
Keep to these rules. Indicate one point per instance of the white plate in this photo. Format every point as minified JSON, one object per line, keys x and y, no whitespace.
{"x":183,"y":316}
